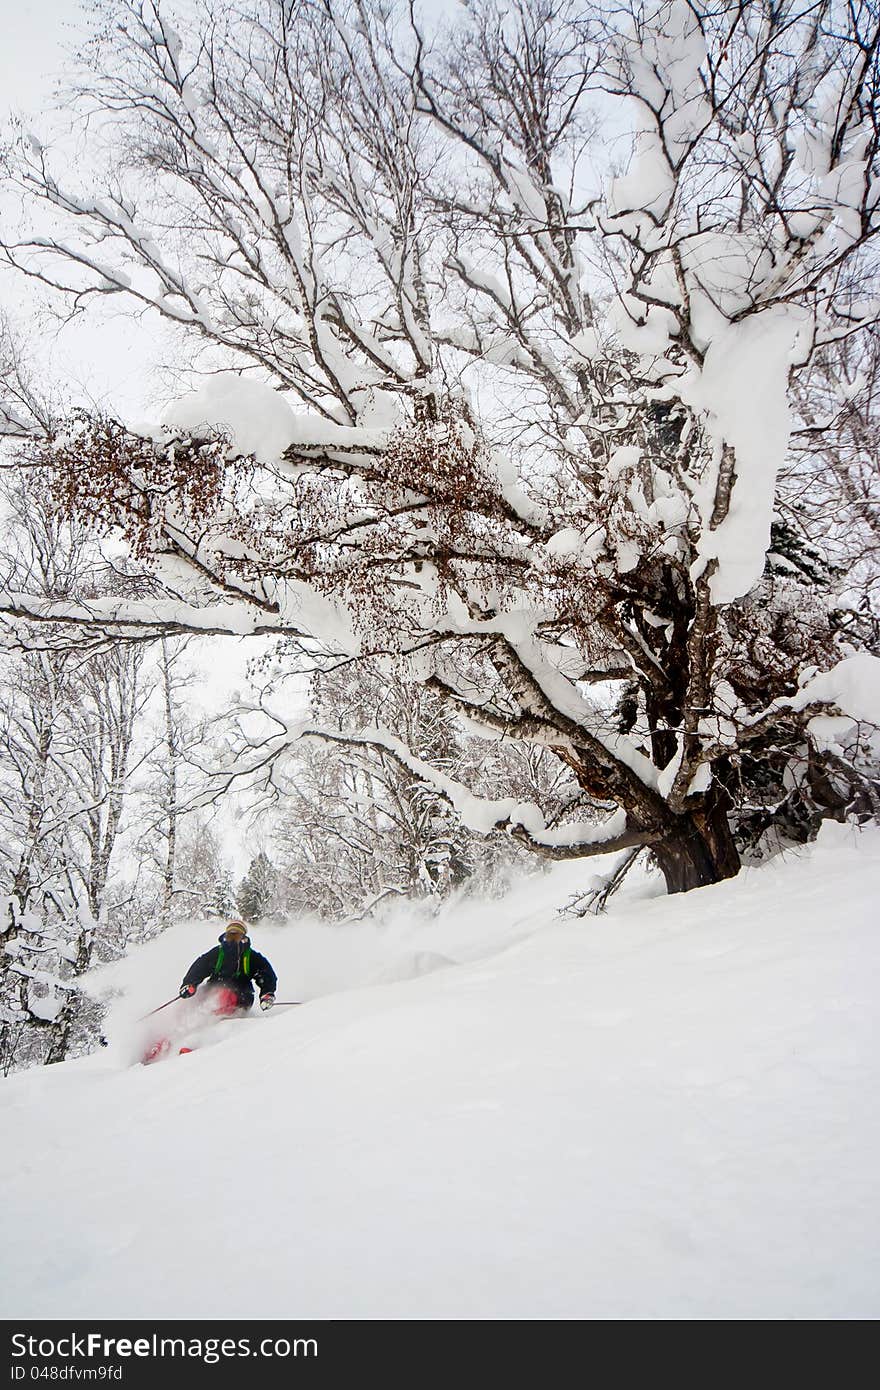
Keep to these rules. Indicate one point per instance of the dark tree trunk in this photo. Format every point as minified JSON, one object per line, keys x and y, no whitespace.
{"x":701,"y":850}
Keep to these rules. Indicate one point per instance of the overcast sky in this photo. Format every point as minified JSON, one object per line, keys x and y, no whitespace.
{"x":35,"y":33}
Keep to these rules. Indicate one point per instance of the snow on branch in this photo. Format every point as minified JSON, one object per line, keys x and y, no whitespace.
{"x":851,"y":687}
{"x":482,"y":815}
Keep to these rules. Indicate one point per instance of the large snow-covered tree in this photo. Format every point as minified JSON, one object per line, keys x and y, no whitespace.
{"x":537,"y":334}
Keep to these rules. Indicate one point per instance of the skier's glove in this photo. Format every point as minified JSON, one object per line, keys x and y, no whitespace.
{"x":187,"y":991}
{"x":266,"y":1001}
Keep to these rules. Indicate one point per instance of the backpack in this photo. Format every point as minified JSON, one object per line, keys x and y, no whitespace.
{"x":244,"y":964}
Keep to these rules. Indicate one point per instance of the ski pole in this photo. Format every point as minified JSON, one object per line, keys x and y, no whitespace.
{"x":160,"y":1008}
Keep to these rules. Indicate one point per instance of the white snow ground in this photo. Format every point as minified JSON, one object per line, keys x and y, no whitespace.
{"x":667,"y":1113}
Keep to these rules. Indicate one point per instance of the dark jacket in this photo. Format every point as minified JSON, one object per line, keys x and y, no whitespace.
{"x":235,"y":964}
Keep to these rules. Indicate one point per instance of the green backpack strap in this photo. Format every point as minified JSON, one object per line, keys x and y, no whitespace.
{"x":244,"y":964}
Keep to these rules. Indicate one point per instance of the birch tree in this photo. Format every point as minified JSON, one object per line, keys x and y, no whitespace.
{"x":178,"y":737}
{"x":67,"y":723}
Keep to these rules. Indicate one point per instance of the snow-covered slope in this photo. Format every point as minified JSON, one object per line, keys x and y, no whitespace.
{"x":670,"y":1112}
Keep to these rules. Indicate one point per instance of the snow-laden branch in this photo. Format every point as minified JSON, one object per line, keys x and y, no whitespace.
{"x":850,"y":688}
{"x":149,"y":618}
{"x":483,"y":815}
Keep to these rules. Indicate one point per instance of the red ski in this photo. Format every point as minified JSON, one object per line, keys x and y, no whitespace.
{"x":219,"y":1002}
{"x":159,"y":1049}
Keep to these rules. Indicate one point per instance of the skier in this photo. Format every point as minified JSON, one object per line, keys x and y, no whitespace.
{"x":231,"y":970}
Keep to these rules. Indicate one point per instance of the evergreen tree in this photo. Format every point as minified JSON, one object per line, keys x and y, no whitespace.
{"x":222,"y":901}
{"x":256,"y":892}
